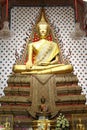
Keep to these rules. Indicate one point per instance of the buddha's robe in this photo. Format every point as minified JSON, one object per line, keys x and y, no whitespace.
{"x":45,"y":52}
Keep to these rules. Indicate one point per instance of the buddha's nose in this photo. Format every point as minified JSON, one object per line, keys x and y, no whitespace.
{"x":42,"y":31}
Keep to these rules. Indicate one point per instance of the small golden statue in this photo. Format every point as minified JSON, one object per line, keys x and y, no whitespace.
{"x":46,"y":54}
{"x":80,"y":125}
{"x":43,"y":106}
{"x":7,"y":125}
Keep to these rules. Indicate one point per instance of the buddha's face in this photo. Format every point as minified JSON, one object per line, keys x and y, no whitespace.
{"x":43,"y":28}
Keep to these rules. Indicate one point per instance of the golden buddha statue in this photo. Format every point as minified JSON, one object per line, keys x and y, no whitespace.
{"x":80,"y":125}
{"x":7,"y":125}
{"x":46,"y":54}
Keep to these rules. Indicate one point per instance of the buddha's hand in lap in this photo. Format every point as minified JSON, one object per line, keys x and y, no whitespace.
{"x":28,"y":65}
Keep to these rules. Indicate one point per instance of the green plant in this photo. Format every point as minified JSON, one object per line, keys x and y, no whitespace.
{"x":62,"y":122}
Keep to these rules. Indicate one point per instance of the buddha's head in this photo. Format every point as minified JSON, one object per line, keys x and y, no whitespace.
{"x":43,"y":27}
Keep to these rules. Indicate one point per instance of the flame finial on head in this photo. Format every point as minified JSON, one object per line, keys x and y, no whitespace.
{"x":42,"y":18}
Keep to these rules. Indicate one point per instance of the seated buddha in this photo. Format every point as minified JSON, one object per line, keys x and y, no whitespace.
{"x":43,"y":55}
{"x":7,"y":125}
{"x":80,"y":125}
